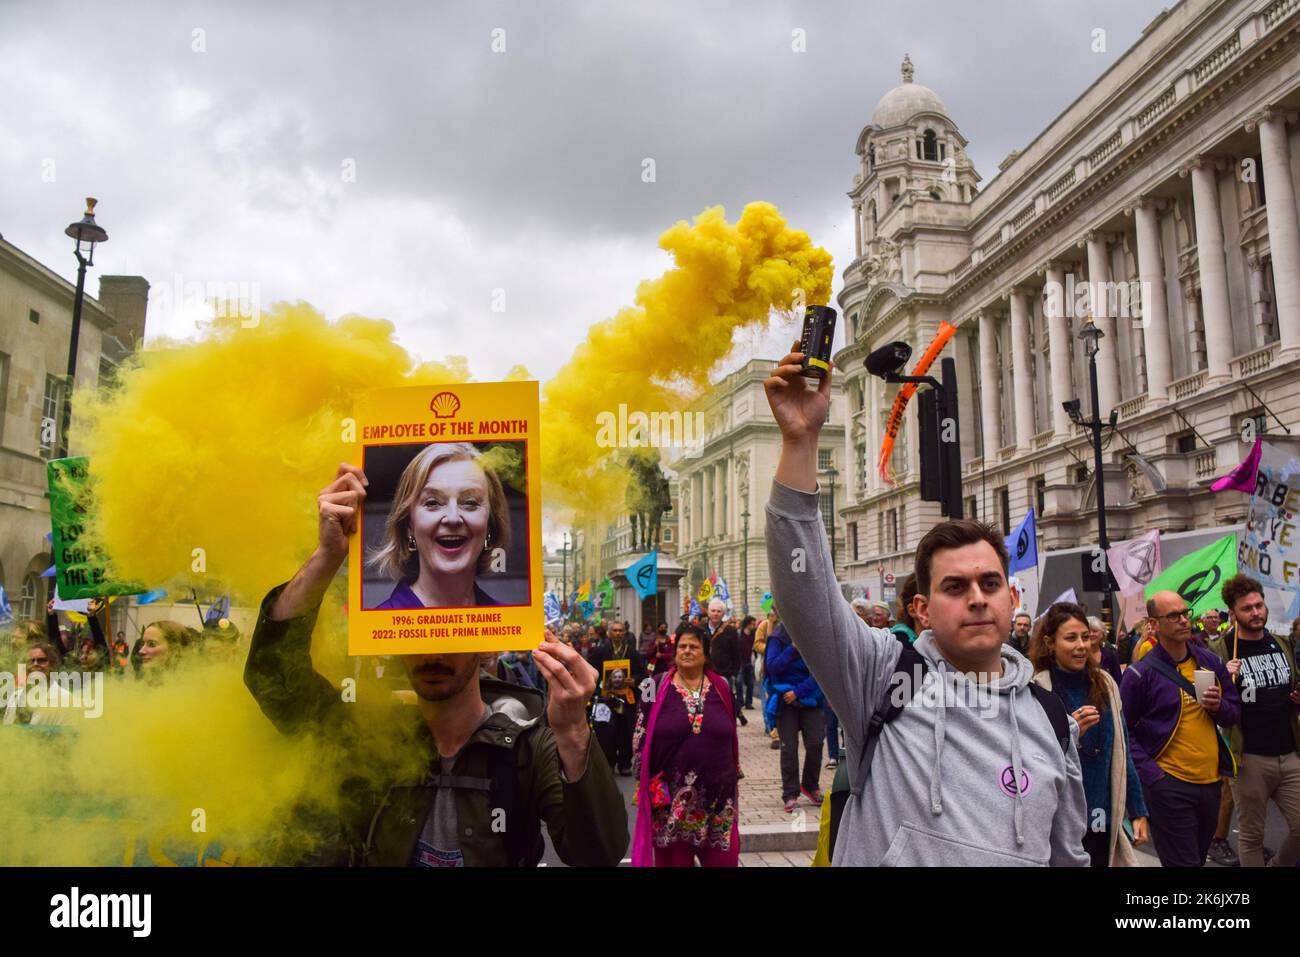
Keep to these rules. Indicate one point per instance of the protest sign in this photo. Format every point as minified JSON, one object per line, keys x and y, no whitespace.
{"x":1270,"y":545}
{"x":81,"y":570}
{"x":448,"y":558}
{"x":1199,"y":577}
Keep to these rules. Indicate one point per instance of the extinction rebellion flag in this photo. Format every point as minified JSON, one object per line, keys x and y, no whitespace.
{"x":1199,"y":576}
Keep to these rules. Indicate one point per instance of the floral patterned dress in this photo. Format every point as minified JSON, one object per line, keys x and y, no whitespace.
{"x":693,"y":775}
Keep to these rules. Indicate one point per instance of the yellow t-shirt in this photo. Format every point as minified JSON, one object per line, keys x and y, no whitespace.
{"x":1145,"y":645}
{"x":1192,"y":754}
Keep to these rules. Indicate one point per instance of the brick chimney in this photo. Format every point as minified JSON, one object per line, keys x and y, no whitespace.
{"x":126,"y":299}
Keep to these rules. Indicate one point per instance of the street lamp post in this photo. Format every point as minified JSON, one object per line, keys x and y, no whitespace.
{"x":1091,"y":336}
{"x":744,"y":560}
{"x":87,"y":231}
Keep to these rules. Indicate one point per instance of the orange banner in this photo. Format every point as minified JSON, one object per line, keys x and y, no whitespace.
{"x":946,"y":331}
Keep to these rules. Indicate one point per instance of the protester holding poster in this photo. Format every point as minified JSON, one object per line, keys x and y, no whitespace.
{"x":621,"y":669}
{"x":473,"y":748}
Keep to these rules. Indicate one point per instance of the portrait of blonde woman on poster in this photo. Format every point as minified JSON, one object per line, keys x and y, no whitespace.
{"x":447,"y":523}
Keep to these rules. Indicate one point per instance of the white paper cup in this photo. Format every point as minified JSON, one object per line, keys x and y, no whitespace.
{"x":1204,"y":681}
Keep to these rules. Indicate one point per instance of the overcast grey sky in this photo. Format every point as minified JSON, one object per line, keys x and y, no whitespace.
{"x":477,"y":170}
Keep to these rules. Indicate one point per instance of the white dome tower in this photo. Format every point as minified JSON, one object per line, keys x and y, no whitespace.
{"x":912,"y":158}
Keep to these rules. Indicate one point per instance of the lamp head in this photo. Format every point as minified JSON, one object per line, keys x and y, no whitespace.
{"x":1091,"y":335}
{"x":86,"y":229}
{"x":889,"y":359}
{"x":1072,"y":410}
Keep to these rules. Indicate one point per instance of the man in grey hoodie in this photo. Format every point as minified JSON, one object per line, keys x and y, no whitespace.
{"x":971,"y":771}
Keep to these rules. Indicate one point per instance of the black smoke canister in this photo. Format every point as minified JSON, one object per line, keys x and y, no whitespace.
{"x":815,"y":343}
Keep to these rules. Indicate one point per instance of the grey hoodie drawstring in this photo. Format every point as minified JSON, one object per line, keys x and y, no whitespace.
{"x":936,"y":779}
{"x":1018,"y":812}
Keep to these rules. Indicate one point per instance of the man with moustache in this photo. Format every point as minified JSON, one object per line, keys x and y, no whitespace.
{"x":469,"y":777}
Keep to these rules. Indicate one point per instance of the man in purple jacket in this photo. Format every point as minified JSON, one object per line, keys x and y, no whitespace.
{"x":1173,"y":733}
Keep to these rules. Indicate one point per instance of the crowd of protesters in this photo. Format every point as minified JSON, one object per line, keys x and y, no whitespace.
{"x":962,"y":731}
{"x":67,"y":647}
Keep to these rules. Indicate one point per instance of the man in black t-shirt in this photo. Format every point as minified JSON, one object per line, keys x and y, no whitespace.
{"x":1266,"y":744}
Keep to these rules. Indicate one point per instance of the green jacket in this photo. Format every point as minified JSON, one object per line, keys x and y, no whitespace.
{"x":507,"y":778}
{"x":1221,"y":645}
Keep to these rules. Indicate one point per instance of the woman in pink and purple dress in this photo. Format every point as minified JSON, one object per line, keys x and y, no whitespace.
{"x":686,"y":758}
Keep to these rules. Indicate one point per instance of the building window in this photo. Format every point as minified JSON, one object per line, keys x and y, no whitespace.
{"x":668,"y":536}
{"x":971,"y":507}
{"x":1081,"y":474}
{"x":893,"y":529}
{"x":1040,"y":496}
{"x":931,"y":146}
{"x":49,"y":438}
{"x":1004,"y":506}
{"x":33,"y":316}
{"x":828,"y":517}
{"x":1185,"y":443}
{"x":27,"y":601}
{"x":853,"y":540}
{"x":823,"y":459}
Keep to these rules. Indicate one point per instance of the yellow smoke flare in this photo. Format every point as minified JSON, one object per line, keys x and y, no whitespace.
{"x":655,"y":356}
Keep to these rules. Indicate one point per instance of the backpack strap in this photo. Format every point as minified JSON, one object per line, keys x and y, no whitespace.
{"x":1055,"y":709}
{"x":898,"y":695}
{"x":1161,"y":668}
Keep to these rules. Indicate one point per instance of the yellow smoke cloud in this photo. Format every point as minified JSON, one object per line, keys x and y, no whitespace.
{"x":207,"y":458}
{"x":656,"y":356}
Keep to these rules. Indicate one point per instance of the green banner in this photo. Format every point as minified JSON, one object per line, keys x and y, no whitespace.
{"x":1198,"y":577}
{"x":80,"y":570}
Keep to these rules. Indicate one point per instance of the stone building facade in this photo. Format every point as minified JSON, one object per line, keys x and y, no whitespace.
{"x":1169,"y":187}
{"x":35,"y":326}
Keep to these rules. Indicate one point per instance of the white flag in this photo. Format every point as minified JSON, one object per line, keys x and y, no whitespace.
{"x":1136,"y":562}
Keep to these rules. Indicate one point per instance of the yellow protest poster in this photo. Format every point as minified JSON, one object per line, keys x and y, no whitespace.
{"x":616,"y":679}
{"x":449,"y":554}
